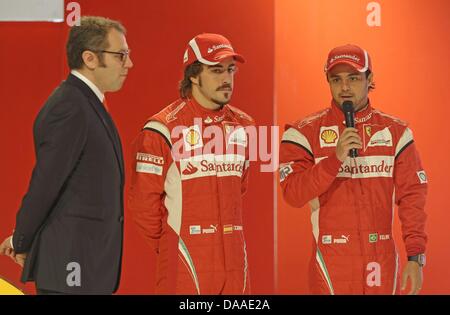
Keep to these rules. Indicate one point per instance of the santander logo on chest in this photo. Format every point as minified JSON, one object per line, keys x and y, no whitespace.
{"x":371,"y":164}
{"x":215,"y":150}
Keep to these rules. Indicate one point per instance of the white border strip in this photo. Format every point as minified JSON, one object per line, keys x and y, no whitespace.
{"x":198,"y":54}
{"x":32,"y":10}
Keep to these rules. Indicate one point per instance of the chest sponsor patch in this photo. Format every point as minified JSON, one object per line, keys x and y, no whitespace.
{"x":327,"y":239}
{"x":344,"y":239}
{"x":212,"y":165}
{"x":192,"y":138}
{"x":228,"y":229}
{"x":195,"y":229}
{"x":236,"y":136}
{"x":366,"y":166}
{"x":329,"y":136}
{"x":212,"y":229}
{"x":376,"y":136}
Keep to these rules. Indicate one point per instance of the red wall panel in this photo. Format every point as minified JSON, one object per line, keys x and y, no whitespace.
{"x":31,"y":57}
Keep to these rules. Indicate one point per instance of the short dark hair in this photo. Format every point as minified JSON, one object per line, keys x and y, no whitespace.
{"x":185,"y":85}
{"x":91,"y":34}
{"x":372,"y":85}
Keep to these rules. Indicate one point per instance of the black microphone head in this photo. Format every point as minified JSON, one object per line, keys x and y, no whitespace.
{"x":347,"y":107}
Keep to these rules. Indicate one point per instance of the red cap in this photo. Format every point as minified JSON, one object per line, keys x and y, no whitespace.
{"x":352,"y":55}
{"x":209,"y":49}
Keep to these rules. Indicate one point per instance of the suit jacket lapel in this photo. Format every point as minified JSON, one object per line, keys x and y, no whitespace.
{"x":103,"y":116}
{"x":110,"y":128}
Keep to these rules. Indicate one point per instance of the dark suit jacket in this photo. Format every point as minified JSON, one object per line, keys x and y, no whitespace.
{"x":71,"y":219}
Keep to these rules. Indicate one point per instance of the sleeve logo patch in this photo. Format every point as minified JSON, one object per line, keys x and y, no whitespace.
{"x":149,"y":168}
{"x":422,"y":177}
{"x":195,"y":229}
{"x":145,"y":157}
{"x":285,"y":170}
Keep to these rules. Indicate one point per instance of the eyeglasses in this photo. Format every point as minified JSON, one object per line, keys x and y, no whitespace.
{"x":123,"y":54}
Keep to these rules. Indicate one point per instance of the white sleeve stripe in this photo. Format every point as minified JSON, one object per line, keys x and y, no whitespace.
{"x":405,"y":139}
{"x":159,"y":127}
{"x":293,"y":135}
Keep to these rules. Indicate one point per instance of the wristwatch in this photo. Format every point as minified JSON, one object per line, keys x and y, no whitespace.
{"x":420,"y":259}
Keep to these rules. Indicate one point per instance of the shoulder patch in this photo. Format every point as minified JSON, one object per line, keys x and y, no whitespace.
{"x":241,"y":113}
{"x":169,"y":113}
{"x":393,"y":118}
{"x":171,"y":116}
{"x":309,"y":119}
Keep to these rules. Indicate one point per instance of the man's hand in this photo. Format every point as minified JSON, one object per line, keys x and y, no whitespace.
{"x":412,"y":271}
{"x":348,"y":140}
{"x":7,"y":250}
{"x":20,"y":259}
{"x":5,"y":247}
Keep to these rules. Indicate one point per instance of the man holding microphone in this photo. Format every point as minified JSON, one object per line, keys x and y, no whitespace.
{"x":352,"y":196}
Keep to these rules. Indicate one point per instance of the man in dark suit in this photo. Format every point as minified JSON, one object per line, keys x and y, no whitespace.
{"x":69,"y":228}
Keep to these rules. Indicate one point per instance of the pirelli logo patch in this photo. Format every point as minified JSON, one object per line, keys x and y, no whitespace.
{"x":146,"y":157}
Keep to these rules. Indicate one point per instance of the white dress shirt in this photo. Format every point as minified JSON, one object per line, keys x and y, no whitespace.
{"x":89,"y":83}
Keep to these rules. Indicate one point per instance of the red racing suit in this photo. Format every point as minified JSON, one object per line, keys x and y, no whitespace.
{"x":189,"y":174}
{"x":352,"y":203}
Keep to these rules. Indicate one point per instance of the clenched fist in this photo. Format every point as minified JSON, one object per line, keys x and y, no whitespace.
{"x":348,"y":140}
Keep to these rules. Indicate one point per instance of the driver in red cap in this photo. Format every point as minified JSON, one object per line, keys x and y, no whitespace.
{"x":352,"y":199}
{"x":186,"y":189}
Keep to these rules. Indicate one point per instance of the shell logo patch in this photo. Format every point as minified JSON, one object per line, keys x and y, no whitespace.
{"x":192,"y":138}
{"x":329,"y":136}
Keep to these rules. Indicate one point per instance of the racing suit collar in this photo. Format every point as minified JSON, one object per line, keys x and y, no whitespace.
{"x":205,"y":111}
{"x":361,"y":116}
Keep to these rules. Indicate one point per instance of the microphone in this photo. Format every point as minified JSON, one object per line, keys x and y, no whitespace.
{"x":349,"y":113}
